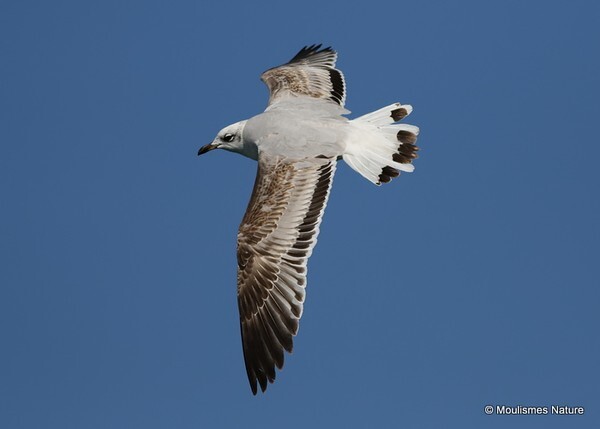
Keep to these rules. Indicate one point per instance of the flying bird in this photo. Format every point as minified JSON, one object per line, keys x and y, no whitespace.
{"x":297,"y":142}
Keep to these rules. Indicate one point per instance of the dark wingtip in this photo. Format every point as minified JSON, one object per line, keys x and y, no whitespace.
{"x":309,"y":51}
{"x":338,"y":86}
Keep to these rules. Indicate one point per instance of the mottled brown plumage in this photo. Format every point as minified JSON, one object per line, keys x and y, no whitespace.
{"x":275,"y":239}
{"x":311,"y":73}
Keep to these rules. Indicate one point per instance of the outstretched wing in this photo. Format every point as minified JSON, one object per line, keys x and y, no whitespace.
{"x":310,"y":73}
{"x":275,"y":240}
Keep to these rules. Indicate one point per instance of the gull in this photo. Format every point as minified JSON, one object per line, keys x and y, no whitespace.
{"x":297,"y":142}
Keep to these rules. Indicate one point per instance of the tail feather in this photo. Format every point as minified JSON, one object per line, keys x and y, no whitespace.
{"x":379,"y":148}
{"x":396,"y":112}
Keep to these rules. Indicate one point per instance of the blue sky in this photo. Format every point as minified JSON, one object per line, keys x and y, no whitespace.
{"x":472,"y":281}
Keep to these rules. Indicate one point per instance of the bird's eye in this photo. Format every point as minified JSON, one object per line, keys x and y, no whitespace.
{"x":228,"y":137}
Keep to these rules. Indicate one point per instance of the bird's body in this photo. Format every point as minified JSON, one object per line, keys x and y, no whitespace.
{"x":290,"y":133}
{"x":297,"y":142}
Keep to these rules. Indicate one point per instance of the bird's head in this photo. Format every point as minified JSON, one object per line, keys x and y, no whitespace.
{"x":229,"y":138}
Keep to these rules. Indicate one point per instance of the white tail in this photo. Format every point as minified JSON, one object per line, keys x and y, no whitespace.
{"x":378,"y":147}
